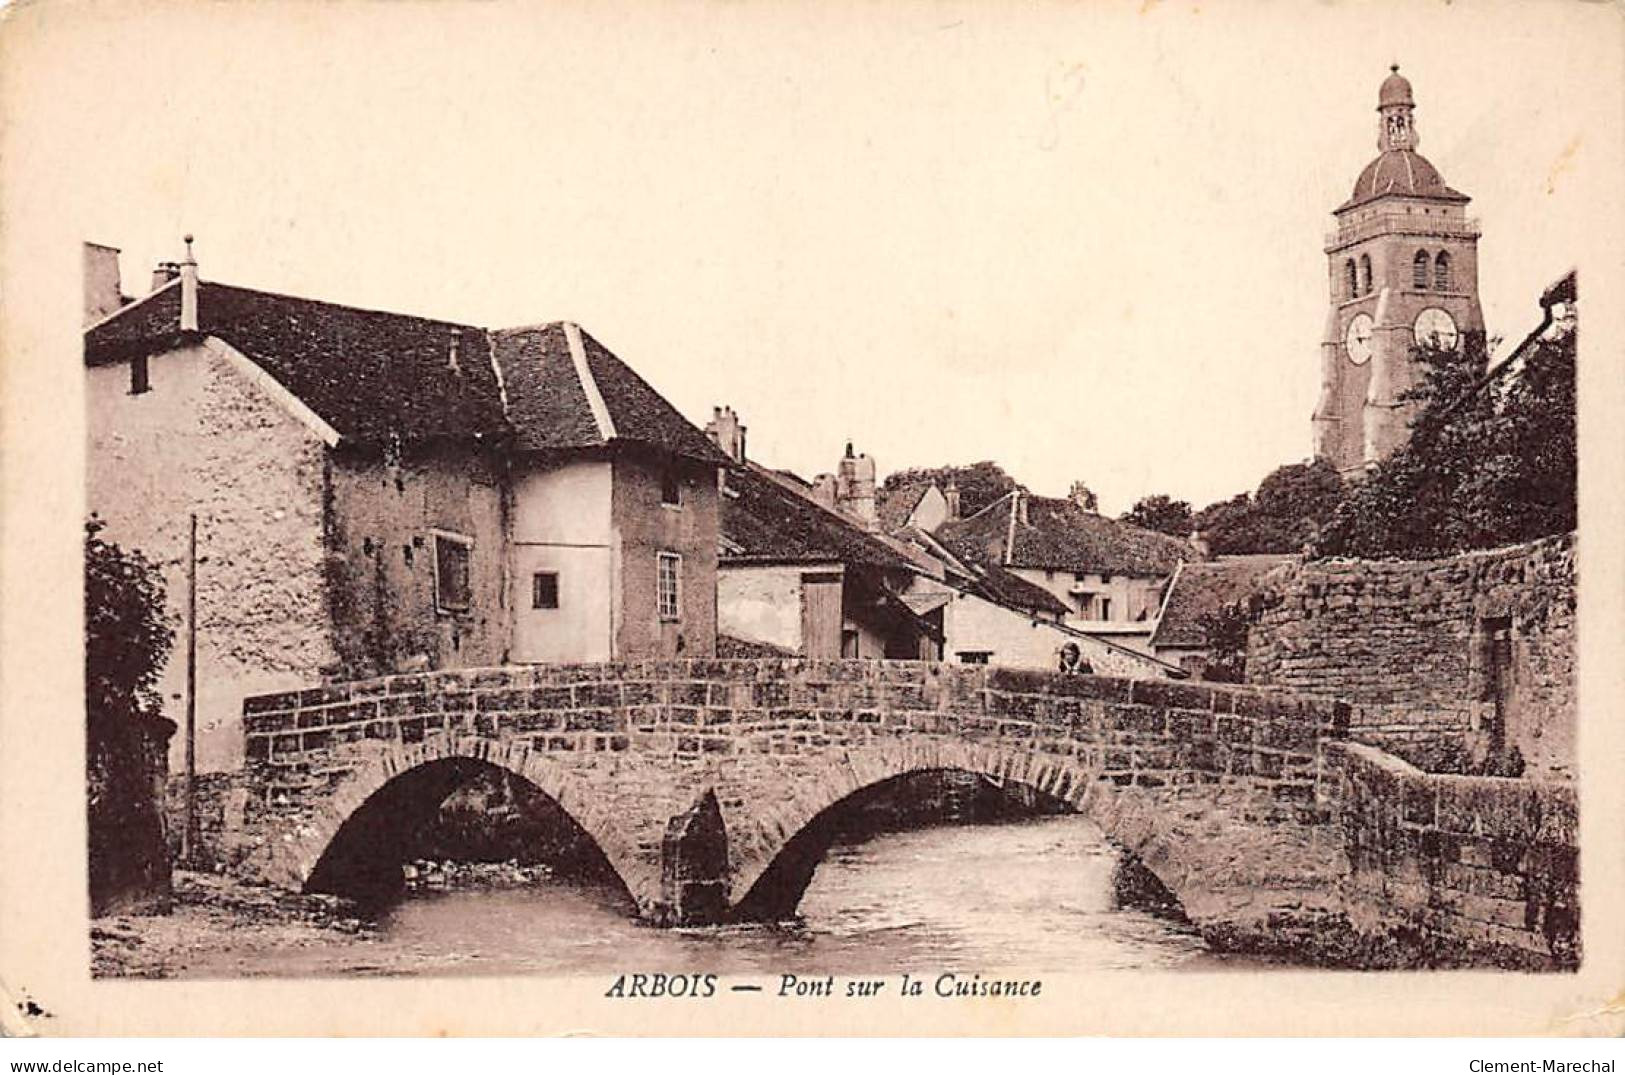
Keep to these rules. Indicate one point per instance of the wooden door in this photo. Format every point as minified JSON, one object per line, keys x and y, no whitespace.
{"x":821,"y":614}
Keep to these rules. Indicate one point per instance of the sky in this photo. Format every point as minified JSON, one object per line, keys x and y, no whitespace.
{"x":1082,"y":240}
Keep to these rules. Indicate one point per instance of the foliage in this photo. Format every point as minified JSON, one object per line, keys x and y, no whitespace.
{"x":980,"y":484}
{"x":1162,"y":514}
{"x":1083,"y":496}
{"x":1486,"y":465}
{"x":1282,"y":516}
{"x":1226,"y":630}
{"x":126,"y":637}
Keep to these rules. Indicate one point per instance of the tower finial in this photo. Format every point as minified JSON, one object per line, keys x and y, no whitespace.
{"x":1394,"y":67}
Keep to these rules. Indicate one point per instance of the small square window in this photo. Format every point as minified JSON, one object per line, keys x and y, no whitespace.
{"x":668,"y":579}
{"x":671,"y":490}
{"x":544,"y":589}
{"x":451,"y":582}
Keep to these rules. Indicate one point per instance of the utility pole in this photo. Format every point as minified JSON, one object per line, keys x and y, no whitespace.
{"x":189,"y":831}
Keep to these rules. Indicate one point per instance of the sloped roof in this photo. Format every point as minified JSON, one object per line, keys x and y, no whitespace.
{"x":1060,"y":535}
{"x":1202,"y":587}
{"x":550,"y":402}
{"x":895,"y":507}
{"x":990,"y":580}
{"x":372,"y":375}
{"x":768,"y":521}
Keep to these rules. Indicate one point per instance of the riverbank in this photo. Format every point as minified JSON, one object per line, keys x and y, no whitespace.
{"x":211,"y":914}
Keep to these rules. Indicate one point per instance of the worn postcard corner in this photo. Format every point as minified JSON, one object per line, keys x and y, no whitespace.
{"x":710,"y":520}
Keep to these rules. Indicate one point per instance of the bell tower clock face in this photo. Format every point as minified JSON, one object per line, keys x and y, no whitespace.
{"x":1357,"y":339}
{"x":1436,"y":328}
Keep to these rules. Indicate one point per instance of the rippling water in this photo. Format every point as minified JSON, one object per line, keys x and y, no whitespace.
{"x":1034,"y":895}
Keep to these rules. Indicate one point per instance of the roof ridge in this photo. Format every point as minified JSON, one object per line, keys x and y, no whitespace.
{"x":340,"y":305}
{"x":589,"y":384}
{"x":99,"y":322}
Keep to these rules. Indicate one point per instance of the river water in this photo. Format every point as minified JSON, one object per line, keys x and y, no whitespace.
{"x":1035,"y":895}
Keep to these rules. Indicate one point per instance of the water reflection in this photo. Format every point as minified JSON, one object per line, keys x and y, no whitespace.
{"x":1034,"y":894}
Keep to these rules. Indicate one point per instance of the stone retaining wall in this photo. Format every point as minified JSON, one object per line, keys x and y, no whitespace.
{"x":1466,"y":869}
{"x":1412,"y":644}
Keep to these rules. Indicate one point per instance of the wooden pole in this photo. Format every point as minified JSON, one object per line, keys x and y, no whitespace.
{"x":189,"y":831}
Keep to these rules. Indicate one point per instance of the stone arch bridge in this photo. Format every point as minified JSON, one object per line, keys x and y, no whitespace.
{"x":704,"y":782}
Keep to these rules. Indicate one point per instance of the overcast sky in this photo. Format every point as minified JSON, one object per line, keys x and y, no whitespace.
{"x":1082,"y":240}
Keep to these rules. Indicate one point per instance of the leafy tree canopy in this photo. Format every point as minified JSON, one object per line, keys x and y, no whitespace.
{"x":126,"y":637}
{"x":1162,"y":514}
{"x":980,"y":484}
{"x":1285,"y":513}
{"x":1488,"y":463}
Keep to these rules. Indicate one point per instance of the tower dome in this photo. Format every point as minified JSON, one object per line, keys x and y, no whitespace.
{"x":1395,"y":90}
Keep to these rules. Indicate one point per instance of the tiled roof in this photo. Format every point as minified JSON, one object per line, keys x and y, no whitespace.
{"x":894,"y":507}
{"x":988,"y":579}
{"x":1401,"y":171}
{"x":641,"y":414}
{"x":1059,"y":535}
{"x":1201,"y":587}
{"x":768,"y":521}
{"x":372,"y":375}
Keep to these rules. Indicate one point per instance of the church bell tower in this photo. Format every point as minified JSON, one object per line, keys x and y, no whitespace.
{"x":1402,"y":269}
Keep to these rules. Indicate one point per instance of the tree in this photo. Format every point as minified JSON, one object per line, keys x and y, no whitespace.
{"x":1162,"y":514}
{"x":126,"y":644}
{"x":1490,"y":461}
{"x":1287,"y":511}
{"x":127,"y":639}
{"x":979,"y":484}
{"x":1226,"y":631}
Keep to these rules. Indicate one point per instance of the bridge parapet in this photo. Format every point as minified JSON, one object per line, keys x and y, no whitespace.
{"x":627,"y":747}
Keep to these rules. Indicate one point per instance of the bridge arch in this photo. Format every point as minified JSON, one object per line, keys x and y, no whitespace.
{"x":305,"y":857}
{"x":775,"y":851}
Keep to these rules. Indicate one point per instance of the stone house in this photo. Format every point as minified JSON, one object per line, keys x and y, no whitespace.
{"x":803,"y":577}
{"x":804,"y":571}
{"x":1109,"y":575}
{"x":377,"y":492}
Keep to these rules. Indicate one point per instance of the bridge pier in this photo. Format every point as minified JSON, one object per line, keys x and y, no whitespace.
{"x":694,"y":867}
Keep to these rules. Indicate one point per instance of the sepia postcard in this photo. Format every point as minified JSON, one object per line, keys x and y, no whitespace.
{"x":837,"y":519}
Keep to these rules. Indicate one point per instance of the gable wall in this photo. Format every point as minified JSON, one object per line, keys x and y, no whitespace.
{"x":206,"y":439}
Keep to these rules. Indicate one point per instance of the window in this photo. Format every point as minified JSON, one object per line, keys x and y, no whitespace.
{"x":1351,"y":279}
{"x":974,"y":656}
{"x":668,"y":583}
{"x":140,"y":376}
{"x":1441,"y":272}
{"x":671,"y":490}
{"x":544,"y":589}
{"x":1105,"y":608}
{"x":451,"y":588}
{"x":1365,"y":274}
{"x":849,"y":644}
{"x":1419,"y":270}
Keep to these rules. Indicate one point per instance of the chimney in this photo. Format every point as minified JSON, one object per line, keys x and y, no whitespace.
{"x":103,"y":294}
{"x":1021,"y":507}
{"x":726,"y":433}
{"x":453,"y":351}
{"x":163,"y":273}
{"x":951,"y":495}
{"x":855,"y":488}
{"x":189,"y":290}
{"x":823,"y":490}
{"x":1200,"y":545}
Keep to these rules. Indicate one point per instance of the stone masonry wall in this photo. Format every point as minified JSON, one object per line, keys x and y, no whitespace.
{"x":206,"y":439}
{"x":1410,"y":644}
{"x":1482,"y":866}
{"x":626,"y":747}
